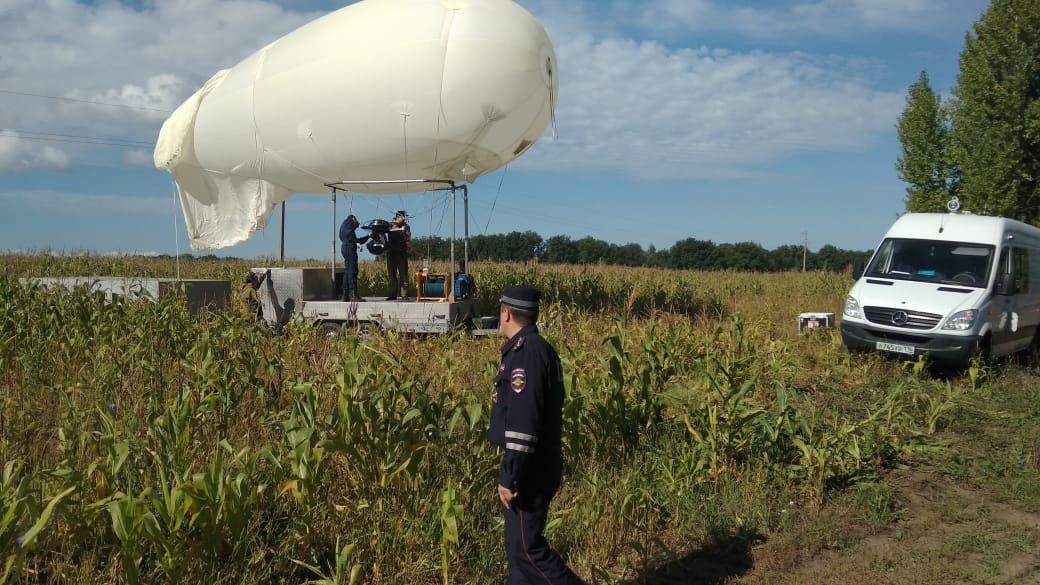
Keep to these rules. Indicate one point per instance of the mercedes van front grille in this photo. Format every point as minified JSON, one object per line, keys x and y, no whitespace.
{"x":901,"y":318}
{"x":877,"y":334}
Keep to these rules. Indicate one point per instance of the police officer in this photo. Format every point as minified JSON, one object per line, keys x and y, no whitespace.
{"x":526,"y":422}
{"x":350,"y":241}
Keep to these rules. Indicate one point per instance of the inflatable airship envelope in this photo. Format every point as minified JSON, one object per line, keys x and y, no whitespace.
{"x":382,"y":90}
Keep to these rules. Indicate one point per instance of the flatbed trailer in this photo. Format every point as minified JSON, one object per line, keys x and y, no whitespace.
{"x":315,"y":294}
{"x":198,"y":293}
{"x":310,"y":293}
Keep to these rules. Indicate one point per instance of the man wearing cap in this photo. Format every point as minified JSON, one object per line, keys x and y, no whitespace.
{"x":249,"y":295}
{"x":397,"y":256}
{"x":527,"y":423}
{"x":350,"y":241}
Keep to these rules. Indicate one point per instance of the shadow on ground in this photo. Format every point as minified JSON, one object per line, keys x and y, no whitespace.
{"x":711,"y":565}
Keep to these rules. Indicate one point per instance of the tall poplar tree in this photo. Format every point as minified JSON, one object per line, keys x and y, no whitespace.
{"x":996,"y":120}
{"x":924,"y":133}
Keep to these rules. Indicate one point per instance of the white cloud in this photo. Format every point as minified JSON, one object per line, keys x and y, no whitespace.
{"x":654,"y":112}
{"x":20,"y":154}
{"x":138,"y":158}
{"x":149,"y":58}
{"x":785,"y":20}
{"x":152,"y":102}
{"x":637,"y":107}
{"x":835,"y":15}
{"x":86,"y":203}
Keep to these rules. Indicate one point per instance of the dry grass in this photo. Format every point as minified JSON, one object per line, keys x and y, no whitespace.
{"x":707,"y":441}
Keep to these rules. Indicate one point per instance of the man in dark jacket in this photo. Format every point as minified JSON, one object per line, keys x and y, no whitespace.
{"x":249,"y":295}
{"x":349,"y":248}
{"x":397,"y":256}
{"x":527,"y":423}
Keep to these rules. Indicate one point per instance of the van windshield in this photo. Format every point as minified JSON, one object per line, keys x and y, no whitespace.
{"x":956,"y":263}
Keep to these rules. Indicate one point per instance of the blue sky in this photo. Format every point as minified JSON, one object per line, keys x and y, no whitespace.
{"x":719,"y":120}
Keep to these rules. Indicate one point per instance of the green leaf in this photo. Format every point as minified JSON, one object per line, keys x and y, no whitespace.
{"x":30,"y":536}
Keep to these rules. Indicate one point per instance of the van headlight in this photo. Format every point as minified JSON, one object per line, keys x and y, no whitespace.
{"x":961,"y":321}
{"x":852,"y":308}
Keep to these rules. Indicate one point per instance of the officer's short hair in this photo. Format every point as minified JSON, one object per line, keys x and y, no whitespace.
{"x":523,"y":317}
{"x":522,"y":302}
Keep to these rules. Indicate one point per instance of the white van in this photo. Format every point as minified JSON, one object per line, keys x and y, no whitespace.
{"x":950,"y":286}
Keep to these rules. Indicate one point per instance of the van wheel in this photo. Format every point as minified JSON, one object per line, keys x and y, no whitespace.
{"x":985,"y":351}
{"x":1032,"y":353}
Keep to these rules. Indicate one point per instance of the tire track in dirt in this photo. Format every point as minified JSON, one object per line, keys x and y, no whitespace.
{"x":944,"y":533}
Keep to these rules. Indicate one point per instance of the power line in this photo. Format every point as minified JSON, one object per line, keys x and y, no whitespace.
{"x":99,"y":142}
{"x":82,"y":101}
{"x":28,"y":133}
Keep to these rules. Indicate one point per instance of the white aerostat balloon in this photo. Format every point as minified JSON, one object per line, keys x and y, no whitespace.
{"x":382,"y":90}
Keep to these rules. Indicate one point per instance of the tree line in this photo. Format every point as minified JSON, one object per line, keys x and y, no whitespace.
{"x":687,"y":254}
{"x":982,"y":144}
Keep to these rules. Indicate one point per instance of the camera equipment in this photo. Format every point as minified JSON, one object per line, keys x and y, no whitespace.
{"x":379,"y":230}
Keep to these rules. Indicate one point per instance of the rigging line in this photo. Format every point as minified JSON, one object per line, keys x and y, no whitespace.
{"x":429,"y":241}
{"x":404,"y":137}
{"x":176,"y":233}
{"x":82,"y":101}
{"x":444,"y":211}
{"x":71,"y":141}
{"x":552,"y":101}
{"x":446,"y":36}
{"x":495,"y":203}
{"x":258,"y":143}
{"x":545,"y":218}
{"x":436,"y":203}
{"x":127,"y":141}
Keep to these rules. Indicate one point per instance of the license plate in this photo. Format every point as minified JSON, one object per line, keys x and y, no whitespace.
{"x":896,"y":348}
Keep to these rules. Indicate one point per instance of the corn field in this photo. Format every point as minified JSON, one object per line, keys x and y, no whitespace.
{"x":142,"y":444}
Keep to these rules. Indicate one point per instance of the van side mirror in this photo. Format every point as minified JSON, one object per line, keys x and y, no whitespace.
{"x":857,"y":269}
{"x":1006,"y":285}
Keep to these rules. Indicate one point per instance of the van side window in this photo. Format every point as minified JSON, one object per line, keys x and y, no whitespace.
{"x":1021,"y":269}
{"x":1003,"y":264}
{"x":1034,"y":275}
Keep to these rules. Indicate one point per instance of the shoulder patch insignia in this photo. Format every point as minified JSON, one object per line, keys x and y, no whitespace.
{"x":518,"y":380}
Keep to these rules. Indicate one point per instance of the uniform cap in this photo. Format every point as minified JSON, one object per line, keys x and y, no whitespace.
{"x":521,"y":297}
{"x":400,"y":213}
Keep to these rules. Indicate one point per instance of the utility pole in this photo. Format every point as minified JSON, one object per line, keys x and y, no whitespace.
{"x":805,"y":248}
{"x":281,"y":239}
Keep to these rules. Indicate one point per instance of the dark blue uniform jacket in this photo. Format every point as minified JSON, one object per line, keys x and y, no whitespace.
{"x":349,"y":240}
{"x":527,"y":416}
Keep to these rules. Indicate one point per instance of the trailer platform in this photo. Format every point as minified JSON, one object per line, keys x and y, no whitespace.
{"x":311,"y":293}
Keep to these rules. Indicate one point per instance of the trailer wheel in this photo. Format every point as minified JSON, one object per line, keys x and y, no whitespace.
{"x":331,"y":329}
{"x":365,"y":330}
